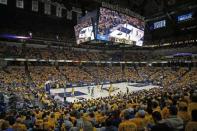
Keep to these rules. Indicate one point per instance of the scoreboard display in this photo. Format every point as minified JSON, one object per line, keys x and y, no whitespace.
{"x":120,"y":28}
{"x":84,"y":31}
{"x":110,"y":26}
{"x":184,"y":17}
{"x":160,"y":24}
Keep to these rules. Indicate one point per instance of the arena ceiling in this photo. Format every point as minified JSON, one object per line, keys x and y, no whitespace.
{"x":146,"y":8}
{"x":152,"y":10}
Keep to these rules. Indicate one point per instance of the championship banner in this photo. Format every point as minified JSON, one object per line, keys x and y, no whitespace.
{"x":69,"y":15}
{"x":20,"y":4}
{"x":35,"y":5}
{"x":3,"y":2}
{"x":58,"y":11}
{"x":47,"y":8}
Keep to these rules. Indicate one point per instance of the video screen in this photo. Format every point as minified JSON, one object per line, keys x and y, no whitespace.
{"x":160,"y":24}
{"x":84,"y":31}
{"x":120,"y":28}
{"x":184,"y":17}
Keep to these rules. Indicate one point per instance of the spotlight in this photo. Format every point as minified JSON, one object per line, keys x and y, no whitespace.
{"x":30,"y":34}
{"x":57,"y":37}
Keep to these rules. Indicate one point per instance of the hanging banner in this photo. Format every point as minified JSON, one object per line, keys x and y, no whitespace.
{"x":3,"y":2}
{"x":58,"y":11}
{"x":47,"y":8}
{"x":20,"y":4}
{"x":35,"y":5}
{"x":69,"y":15}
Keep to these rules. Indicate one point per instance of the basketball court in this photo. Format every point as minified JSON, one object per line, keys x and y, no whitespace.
{"x":82,"y":93}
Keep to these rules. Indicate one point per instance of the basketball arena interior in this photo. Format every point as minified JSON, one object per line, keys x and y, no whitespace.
{"x":98,"y":65}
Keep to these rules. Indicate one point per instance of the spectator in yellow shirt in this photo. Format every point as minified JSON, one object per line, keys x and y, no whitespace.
{"x":192,"y":125}
{"x":193,"y":104}
{"x":140,"y":120}
{"x":156,"y":106}
{"x":126,"y":124}
{"x":183,"y":113}
{"x":165,"y":111}
{"x":19,"y":126}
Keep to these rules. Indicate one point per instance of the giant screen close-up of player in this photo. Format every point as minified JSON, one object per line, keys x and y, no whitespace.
{"x":120,"y":28}
{"x":84,"y":31}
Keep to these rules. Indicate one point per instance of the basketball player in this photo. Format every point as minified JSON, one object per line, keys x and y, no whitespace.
{"x":110,"y":89}
{"x":73,"y":92}
{"x":127,"y":90}
{"x":102,"y":88}
{"x":92,"y":92}
{"x":88,"y":90}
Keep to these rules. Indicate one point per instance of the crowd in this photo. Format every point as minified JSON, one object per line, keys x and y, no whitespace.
{"x":61,"y":53}
{"x":168,"y":108}
{"x":13,"y":76}
{"x":76,"y":75}
{"x":79,"y":74}
{"x":24,"y":105}
{"x":112,"y":19}
{"x":47,"y":53}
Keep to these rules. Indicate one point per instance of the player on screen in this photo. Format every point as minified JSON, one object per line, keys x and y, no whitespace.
{"x":110,"y":22}
{"x":84,"y":31}
{"x":73,"y":92}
